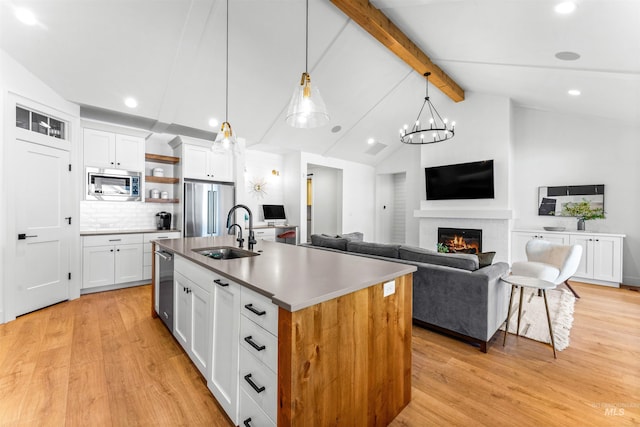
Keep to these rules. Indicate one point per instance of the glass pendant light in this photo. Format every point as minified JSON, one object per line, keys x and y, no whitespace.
{"x":226,"y":136}
{"x":306,"y":108}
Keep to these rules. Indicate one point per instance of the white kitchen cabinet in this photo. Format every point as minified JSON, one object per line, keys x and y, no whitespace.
{"x":111,"y":260}
{"x":601,"y":261}
{"x":148,"y":256}
{"x":601,"y":257}
{"x":192,"y":320}
{"x":268,"y":234}
{"x":258,"y":357}
{"x":206,"y":164}
{"x":111,"y":150}
{"x":223,"y":380}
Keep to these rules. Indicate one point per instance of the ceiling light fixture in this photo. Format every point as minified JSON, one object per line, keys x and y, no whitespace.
{"x":574,"y":92}
{"x":306,"y":109}
{"x":226,"y":136}
{"x":213,"y":122}
{"x":131,"y":102}
{"x":370,"y":141}
{"x":25,"y":16}
{"x":565,"y":7}
{"x":434,"y":128}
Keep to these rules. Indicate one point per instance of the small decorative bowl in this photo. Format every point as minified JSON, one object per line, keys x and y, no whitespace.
{"x":555,"y":228}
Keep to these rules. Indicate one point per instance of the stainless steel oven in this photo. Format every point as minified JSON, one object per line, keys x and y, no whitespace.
{"x":112,"y":184}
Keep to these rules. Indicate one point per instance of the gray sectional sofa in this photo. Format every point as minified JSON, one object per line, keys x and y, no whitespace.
{"x":452,"y":293}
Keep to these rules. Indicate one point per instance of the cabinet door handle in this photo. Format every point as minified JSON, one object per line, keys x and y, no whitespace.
{"x":254,"y":311}
{"x":597,"y":240}
{"x":111,"y":250}
{"x":247,"y":422}
{"x":115,"y":240}
{"x":253,"y":385}
{"x":252,"y":343}
{"x":219,"y":282}
{"x":117,"y":250}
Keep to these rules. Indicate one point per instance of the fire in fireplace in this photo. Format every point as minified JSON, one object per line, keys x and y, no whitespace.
{"x":462,"y":240}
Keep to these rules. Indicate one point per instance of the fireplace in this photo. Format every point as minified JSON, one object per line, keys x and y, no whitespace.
{"x":463,"y":240}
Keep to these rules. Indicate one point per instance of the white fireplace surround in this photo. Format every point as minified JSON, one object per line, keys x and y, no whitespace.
{"x":495,"y":225}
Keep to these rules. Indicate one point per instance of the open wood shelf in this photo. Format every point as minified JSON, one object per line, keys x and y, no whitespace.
{"x":162,"y":179}
{"x":161,"y":159}
{"x":149,"y":200}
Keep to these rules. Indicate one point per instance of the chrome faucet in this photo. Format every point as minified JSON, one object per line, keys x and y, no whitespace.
{"x":252,"y":239}
{"x":239,"y":239}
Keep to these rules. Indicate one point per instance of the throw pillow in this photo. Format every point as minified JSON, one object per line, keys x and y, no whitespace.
{"x":352,"y":237}
{"x":329,"y":242}
{"x":485,"y":258}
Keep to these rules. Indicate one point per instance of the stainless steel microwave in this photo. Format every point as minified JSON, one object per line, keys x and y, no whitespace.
{"x":112,"y":184}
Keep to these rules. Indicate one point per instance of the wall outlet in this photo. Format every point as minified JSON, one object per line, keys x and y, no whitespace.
{"x":389,"y":288}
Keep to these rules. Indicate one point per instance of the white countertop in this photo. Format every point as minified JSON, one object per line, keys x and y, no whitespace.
{"x":294,"y":277}
{"x":113,"y":231}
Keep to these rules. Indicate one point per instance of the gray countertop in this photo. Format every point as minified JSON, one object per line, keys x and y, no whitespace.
{"x":294,"y":277}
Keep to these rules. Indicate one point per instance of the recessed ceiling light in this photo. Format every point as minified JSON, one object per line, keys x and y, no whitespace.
{"x":574,"y":92}
{"x":213,"y":122}
{"x":25,"y":16}
{"x":370,"y":141}
{"x":567,"y":56}
{"x":336,"y":129}
{"x":131,"y":102}
{"x":565,"y":7}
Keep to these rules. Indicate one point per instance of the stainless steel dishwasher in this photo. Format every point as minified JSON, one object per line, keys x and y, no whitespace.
{"x":164,"y":260}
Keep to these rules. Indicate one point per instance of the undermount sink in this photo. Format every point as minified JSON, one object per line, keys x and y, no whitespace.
{"x":224,"y":252}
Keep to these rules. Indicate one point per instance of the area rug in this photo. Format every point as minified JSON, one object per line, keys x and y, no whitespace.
{"x":533,"y":323}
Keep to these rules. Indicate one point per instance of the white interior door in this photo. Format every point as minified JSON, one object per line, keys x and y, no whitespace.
{"x":42,"y":202}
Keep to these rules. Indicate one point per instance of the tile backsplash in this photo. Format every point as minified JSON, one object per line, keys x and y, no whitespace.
{"x":100,"y":216}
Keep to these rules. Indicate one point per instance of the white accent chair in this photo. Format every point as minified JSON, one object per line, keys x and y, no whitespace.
{"x":549,"y":261}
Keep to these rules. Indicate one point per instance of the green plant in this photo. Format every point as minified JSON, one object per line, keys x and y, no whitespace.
{"x":583,"y":210}
{"x":442,"y":248}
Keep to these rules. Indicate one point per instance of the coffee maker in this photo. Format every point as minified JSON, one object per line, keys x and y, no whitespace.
{"x":163,"y":220}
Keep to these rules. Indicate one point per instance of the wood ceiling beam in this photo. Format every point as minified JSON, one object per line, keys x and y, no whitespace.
{"x":386,"y":32}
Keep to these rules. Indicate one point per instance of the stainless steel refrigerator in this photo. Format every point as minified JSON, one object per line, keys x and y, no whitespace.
{"x":206,"y":206}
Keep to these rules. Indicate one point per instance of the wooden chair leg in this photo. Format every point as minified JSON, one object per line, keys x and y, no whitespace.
{"x":571,"y":289}
{"x":546,"y":306}
{"x":506,"y":322}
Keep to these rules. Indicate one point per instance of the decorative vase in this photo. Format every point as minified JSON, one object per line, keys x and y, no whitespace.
{"x":581,"y":224}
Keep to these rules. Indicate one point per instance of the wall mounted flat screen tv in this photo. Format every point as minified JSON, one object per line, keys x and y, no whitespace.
{"x":273,"y":212}
{"x":462,"y":181}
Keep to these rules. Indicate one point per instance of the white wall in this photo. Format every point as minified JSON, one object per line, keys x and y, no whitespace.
{"x":258,"y":168}
{"x":326,"y":199}
{"x":405,"y":159}
{"x":483,"y":132}
{"x":358,"y":192}
{"x":15,"y":79}
{"x":559,"y":149}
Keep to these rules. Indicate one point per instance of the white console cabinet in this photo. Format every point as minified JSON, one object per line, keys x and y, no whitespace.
{"x":601,"y":261}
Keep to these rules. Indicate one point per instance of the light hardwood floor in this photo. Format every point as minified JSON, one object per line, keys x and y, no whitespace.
{"x":101,"y":360}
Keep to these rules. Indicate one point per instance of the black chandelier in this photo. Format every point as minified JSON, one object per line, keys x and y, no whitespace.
{"x":429,"y":127}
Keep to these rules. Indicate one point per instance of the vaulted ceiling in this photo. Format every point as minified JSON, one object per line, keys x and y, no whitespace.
{"x":169,"y":54}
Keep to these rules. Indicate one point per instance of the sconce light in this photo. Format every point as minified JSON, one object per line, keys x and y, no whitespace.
{"x":275,"y":172}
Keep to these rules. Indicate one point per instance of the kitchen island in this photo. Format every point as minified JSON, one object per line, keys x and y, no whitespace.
{"x":342,"y":326}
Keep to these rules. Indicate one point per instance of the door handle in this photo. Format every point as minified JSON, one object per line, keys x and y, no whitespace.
{"x":23,"y":236}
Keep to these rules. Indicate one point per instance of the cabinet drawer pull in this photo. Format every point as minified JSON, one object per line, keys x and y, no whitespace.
{"x":247,"y":422}
{"x":163,"y":237}
{"x":115,"y":240}
{"x":219,"y":282}
{"x":253,"y":310}
{"x":252,"y":343}
{"x":253,"y":385}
